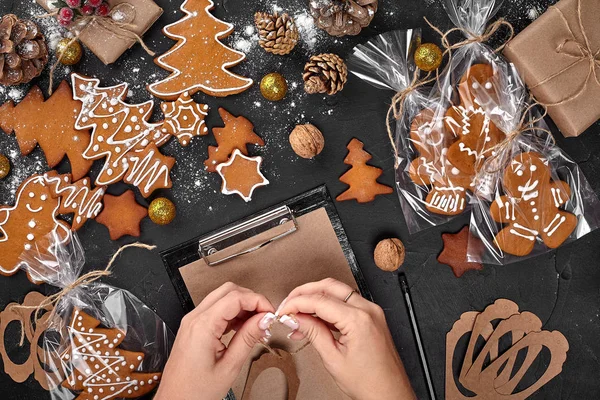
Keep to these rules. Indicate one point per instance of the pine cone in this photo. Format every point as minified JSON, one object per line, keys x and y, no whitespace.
{"x":23,"y":51}
{"x":325,"y":73}
{"x":277,"y":34}
{"x":343,"y":17}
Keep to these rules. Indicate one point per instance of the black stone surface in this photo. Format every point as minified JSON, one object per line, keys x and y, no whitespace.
{"x":561,"y":287}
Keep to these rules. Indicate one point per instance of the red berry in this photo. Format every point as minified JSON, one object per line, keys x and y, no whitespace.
{"x":103,"y":10}
{"x":66,"y":14}
{"x":94,"y":3}
{"x":73,"y":3}
{"x":87,"y":10}
{"x":64,"y":22}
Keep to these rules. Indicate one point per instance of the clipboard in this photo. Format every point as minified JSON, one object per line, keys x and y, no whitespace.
{"x":298,"y":241}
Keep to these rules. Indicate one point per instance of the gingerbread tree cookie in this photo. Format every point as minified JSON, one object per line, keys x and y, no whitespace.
{"x":241,"y":175}
{"x":470,"y":124}
{"x":447,"y":195}
{"x":237,"y":134}
{"x":530,"y":207}
{"x":50,"y":124}
{"x":361,"y":178}
{"x":77,"y":198}
{"x":122,"y":136}
{"x":199,"y":33}
{"x":31,"y":218}
{"x":99,"y":368}
{"x":184,"y":118}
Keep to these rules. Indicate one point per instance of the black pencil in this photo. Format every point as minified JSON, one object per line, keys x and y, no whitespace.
{"x":413,"y":321}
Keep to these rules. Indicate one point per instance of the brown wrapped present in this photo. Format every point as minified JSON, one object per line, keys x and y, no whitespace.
{"x":558,"y":56}
{"x":109,"y":45}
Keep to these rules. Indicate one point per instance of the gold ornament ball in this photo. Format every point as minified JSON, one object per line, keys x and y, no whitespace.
{"x":162,"y":211}
{"x":428,"y":57}
{"x":4,"y":166}
{"x":389,"y":254}
{"x":273,"y":86}
{"x":71,"y":52}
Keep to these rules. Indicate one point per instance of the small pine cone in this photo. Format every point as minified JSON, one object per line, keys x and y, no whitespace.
{"x":277,"y":34}
{"x":325,"y":73}
{"x":343,"y":17}
{"x":23,"y":51}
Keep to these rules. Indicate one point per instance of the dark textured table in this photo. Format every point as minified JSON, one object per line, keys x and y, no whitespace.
{"x":561,"y":287}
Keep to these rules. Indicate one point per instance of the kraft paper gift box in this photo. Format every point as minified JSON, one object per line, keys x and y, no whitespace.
{"x":109,"y":46}
{"x":558,"y":56}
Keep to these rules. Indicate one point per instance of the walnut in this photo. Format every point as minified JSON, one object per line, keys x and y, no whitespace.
{"x":307,"y":141}
{"x":389,"y":254}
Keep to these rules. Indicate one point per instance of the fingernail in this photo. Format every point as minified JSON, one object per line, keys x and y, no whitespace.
{"x":290,"y":322}
{"x":266,"y":322}
{"x":280,"y":307}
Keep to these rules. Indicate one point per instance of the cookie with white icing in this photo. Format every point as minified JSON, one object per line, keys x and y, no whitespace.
{"x":531,"y":206}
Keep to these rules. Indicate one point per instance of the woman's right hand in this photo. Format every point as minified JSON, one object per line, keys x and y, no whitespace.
{"x":363,"y":361}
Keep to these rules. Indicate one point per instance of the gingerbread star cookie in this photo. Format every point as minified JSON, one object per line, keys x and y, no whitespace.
{"x":122,"y":215}
{"x":184,"y":118}
{"x":241,"y":175}
{"x":454,"y":253}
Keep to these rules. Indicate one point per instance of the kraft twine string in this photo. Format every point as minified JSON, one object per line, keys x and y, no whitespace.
{"x":586,"y":53}
{"x":85,"y":279}
{"x":120,"y":30}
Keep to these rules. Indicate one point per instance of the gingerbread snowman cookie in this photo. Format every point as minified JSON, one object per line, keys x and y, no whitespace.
{"x":476,"y":134}
{"x":531,"y":207}
{"x":33,"y":216}
{"x":449,"y":185}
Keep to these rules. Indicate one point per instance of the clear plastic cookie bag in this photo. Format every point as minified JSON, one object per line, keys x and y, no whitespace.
{"x":530,"y":196}
{"x":101,"y":342}
{"x":425,"y":191}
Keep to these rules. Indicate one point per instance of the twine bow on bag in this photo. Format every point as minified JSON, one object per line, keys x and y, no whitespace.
{"x":581,"y":51}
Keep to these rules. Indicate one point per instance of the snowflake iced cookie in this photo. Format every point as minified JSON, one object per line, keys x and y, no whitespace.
{"x":241,"y":175}
{"x":184,"y":118}
{"x":199,"y":33}
{"x":99,"y":368}
{"x":531,"y":206}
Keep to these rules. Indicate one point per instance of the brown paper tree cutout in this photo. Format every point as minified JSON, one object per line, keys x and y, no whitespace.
{"x":489,"y":371}
{"x":19,"y":372}
{"x":105,"y":371}
{"x":455,"y":250}
{"x":122,"y":215}
{"x":237,"y":134}
{"x":50,"y":124}
{"x":279,"y":359}
{"x":121,"y":132}
{"x":361,"y":178}
{"x":199,"y":33}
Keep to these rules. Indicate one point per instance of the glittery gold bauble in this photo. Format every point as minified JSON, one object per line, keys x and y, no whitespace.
{"x":428,"y":57}
{"x":273,"y":86}
{"x":4,"y":166}
{"x":71,"y":52}
{"x":162,"y":211}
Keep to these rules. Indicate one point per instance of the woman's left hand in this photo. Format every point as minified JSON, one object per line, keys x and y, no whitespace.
{"x":200,"y":365}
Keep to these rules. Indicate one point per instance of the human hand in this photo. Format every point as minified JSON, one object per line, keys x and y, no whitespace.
{"x":200,"y":365}
{"x":363,"y":361}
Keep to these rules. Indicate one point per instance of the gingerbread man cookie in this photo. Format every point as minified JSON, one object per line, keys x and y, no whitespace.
{"x":470,"y":124}
{"x":31,"y":218}
{"x":449,"y":185}
{"x":530,"y":207}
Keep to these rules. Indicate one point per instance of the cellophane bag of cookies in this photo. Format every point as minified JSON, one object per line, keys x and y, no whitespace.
{"x":530,"y":197}
{"x":387,"y":62}
{"x":102,"y":342}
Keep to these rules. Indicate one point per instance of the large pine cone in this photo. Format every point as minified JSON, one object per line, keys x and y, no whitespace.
{"x":23,"y":51}
{"x":325,"y":73}
{"x":277,"y":34}
{"x":343,"y":17}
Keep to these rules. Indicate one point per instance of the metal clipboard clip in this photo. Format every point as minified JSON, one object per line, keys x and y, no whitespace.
{"x":219,"y":241}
